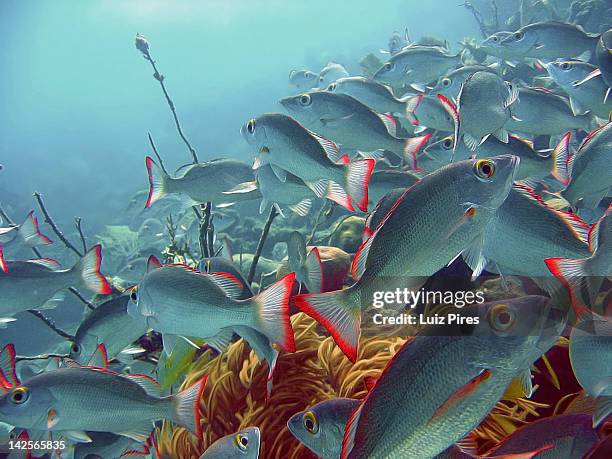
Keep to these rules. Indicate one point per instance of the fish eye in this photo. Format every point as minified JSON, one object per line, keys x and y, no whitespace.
{"x":134,"y":295}
{"x":447,"y":143}
{"x":19,"y":395}
{"x":305,"y":99}
{"x":242,"y":441}
{"x":502,"y":317}
{"x":332,"y":87}
{"x":308,"y":75}
{"x":446,"y":82}
{"x":518,"y":36}
{"x":494,"y":38}
{"x":75,"y":348}
{"x":484,"y":168}
{"x":388,"y":66}
{"x":311,"y":424}
{"x":565,"y":66}
{"x":251,"y":126}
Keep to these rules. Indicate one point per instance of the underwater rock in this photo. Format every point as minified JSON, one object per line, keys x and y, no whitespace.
{"x":347,"y":235}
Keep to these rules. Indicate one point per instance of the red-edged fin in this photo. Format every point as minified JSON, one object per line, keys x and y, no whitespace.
{"x":350,"y":431}
{"x":570,"y":273}
{"x":454,"y":113}
{"x":187,"y":407}
{"x":336,"y":193}
{"x":8,"y":373}
{"x":331,"y":148}
{"x":359,"y":260}
{"x":314,"y":271}
{"x":99,"y":358}
{"x":273,"y":312}
{"x":88,"y":268}
{"x":412,"y":104}
{"x":30,"y":232}
{"x":3,"y":265}
{"x":337,"y":312}
{"x":590,"y":136}
{"x":560,"y":156}
{"x":157,"y":181}
{"x":230,"y":284}
{"x":461,"y":393}
{"x":149,"y":385}
{"x":357,"y":178}
{"x":574,"y":223}
{"x":46,"y":262}
{"x":412,"y":147}
{"x":153,"y":263}
{"x":25,"y":438}
{"x":594,"y":231}
{"x":344,"y":159}
{"x":389,"y":122}
{"x":367,"y":233}
{"x":369,"y":382}
{"x":526,"y":455}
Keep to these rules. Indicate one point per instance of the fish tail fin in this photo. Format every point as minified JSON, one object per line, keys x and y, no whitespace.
{"x":273,"y":312}
{"x":357,"y":177}
{"x":412,"y":147}
{"x":30,"y":232}
{"x":570,"y":273}
{"x":412,"y":103}
{"x":8,"y":374}
{"x":186,"y":407}
{"x":561,"y":160}
{"x":313,"y":269}
{"x":158,"y":182}
{"x":339,"y":312}
{"x":88,"y":270}
{"x":603,"y":409}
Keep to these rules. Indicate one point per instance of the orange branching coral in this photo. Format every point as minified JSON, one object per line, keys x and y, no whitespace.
{"x":234,"y":396}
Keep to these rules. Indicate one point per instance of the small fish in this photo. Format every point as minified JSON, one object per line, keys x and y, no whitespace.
{"x":350,"y":123}
{"x":449,"y":84}
{"x":331,"y":72}
{"x":109,"y":445}
{"x":79,"y":399}
{"x":541,"y":112}
{"x":431,"y":223}
{"x":586,"y":97}
{"x":430,"y":112}
{"x":417,"y":65}
{"x":286,"y":145}
{"x":30,"y":284}
{"x":292,"y":193}
{"x":568,"y":436}
{"x":27,"y":234}
{"x":321,"y":427}
{"x":306,"y":264}
{"x":243,"y":444}
{"x":524,"y":233}
{"x":588,"y":173}
{"x":304,"y":79}
{"x":151,"y":235}
{"x":108,"y":324}
{"x":483,"y":108}
{"x":551,"y":40}
{"x":493,"y":45}
{"x":180,"y":302}
{"x":202,"y":182}
{"x":375,"y":95}
{"x":441,"y":384}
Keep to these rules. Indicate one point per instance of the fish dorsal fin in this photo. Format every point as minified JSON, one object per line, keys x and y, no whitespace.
{"x":331,"y":149}
{"x":99,"y":358}
{"x":150,"y":386}
{"x":389,"y":122}
{"x":348,"y":442}
{"x":153,"y":263}
{"x":359,"y":261}
{"x":590,"y":136}
{"x":230,"y":284}
{"x":8,"y":375}
{"x":594,"y":231}
{"x":513,"y":95}
{"x":574,"y":223}
{"x":46,"y":262}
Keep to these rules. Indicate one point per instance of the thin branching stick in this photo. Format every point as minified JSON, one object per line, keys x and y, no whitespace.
{"x":262,"y":240}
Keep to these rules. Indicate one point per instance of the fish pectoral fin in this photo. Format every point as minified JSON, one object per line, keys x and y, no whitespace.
{"x":139,"y":433}
{"x":52,"y":419}
{"x":520,"y":387}
{"x":169,"y":342}
{"x":280,"y":173}
{"x":603,"y":409}
{"x":6,"y":320}
{"x":319,"y":188}
{"x":501,"y":134}
{"x":221,"y":340}
{"x":462,"y":393}
{"x":331,"y":122}
{"x":244,"y":187}
{"x":474,"y":257}
{"x":577,"y":108}
{"x":77,"y":436}
{"x":302,"y":208}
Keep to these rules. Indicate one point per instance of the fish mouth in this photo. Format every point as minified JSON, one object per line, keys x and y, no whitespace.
{"x":264,"y":149}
